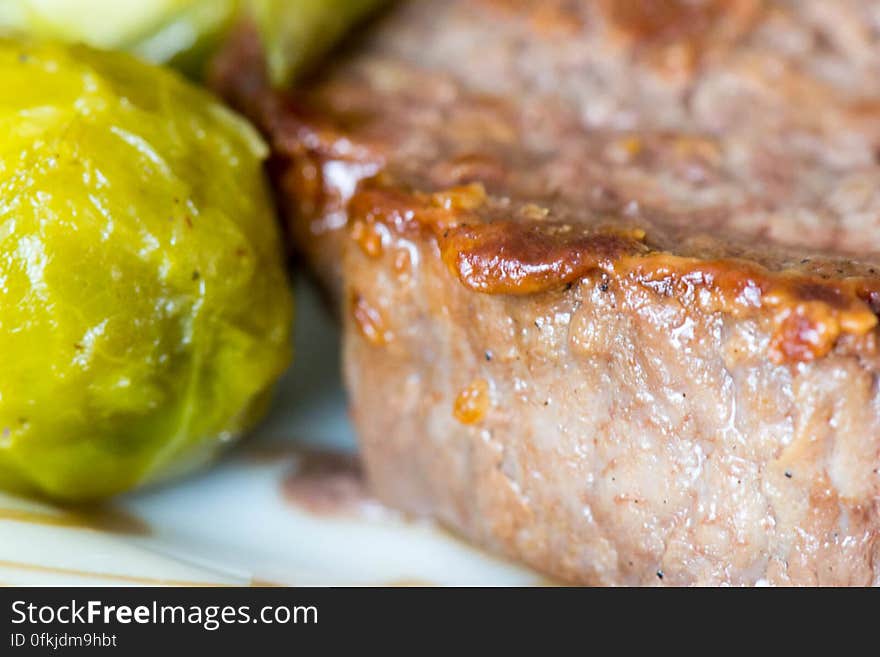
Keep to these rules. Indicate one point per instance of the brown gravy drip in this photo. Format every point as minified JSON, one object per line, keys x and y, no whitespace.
{"x":322,"y":482}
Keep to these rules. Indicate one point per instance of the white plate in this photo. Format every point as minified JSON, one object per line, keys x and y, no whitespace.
{"x":250,"y":519}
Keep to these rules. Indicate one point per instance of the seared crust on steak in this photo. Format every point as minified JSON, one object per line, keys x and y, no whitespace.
{"x":609,"y":276}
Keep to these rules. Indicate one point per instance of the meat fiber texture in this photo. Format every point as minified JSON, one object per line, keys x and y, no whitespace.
{"x":607,"y":276}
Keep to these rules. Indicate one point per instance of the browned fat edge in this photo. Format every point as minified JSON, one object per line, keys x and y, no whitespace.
{"x":525,"y":257}
{"x":809,"y":314}
{"x":535,"y":255}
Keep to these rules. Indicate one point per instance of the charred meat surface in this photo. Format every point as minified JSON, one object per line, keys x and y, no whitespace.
{"x":608,"y":273}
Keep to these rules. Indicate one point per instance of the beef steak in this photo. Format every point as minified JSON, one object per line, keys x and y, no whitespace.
{"x":608,"y":276}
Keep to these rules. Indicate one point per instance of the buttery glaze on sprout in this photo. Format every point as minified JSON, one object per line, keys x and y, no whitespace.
{"x":144,"y":307}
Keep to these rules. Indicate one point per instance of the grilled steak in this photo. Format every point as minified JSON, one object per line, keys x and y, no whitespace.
{"x":607,"y":273}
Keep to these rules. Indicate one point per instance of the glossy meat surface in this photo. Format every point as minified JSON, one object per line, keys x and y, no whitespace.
{"x":608,"y":273}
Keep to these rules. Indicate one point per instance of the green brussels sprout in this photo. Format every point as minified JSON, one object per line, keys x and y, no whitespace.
{"x":185,"y":32}
{"x":145,"y":310}
{"x":295,"y":32}
{"x":175,"y":31}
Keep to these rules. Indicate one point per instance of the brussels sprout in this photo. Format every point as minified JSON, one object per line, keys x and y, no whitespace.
{"x":144,"y":307}
{"x":184,"y":32}
{"x":158,"y":30}
{"x":295,"y":32}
